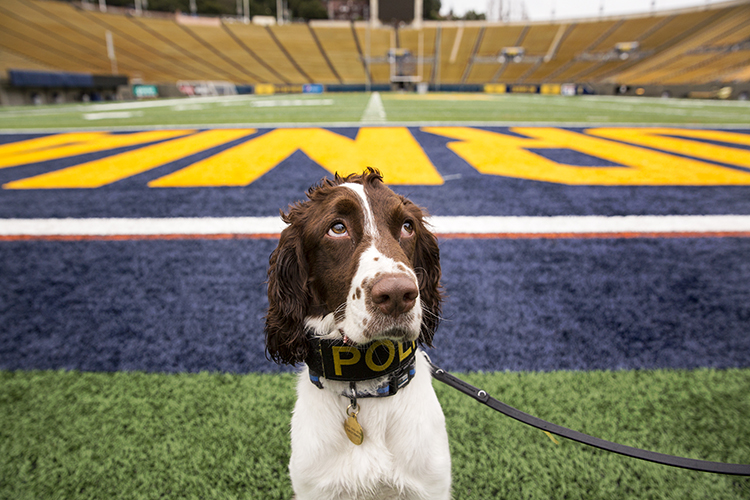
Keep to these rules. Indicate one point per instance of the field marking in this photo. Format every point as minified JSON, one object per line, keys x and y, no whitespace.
{"x":374,"y":112}
{"x":110,"y":115}
{"x":592,"y":224}
{"x":285,"y":103}
{"x":181,"y":103}
{"x":443,"y":97}
{"x":469,"y":227}
{"x":359,"y":124}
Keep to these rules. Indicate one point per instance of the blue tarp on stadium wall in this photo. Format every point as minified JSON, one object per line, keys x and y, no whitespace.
{"x":63,"y":79}
{"x":50,"y":79}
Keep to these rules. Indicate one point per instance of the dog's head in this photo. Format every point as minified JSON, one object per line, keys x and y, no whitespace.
{"x":356,"y":262}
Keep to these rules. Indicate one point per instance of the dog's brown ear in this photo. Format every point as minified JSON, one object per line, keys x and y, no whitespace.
{"x":427,"y":266}
{"x":288,"y":299}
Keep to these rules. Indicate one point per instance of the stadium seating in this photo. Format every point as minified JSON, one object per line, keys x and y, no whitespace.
{"x":674,"y":64}
{"x":737,"y":75}
{"x":260,"y":40}
{"x":691,"y":46}
{"x":338,"y":43}
{"x":300,"y":45}
{"x":410,"y":39}
{"x":39,"y":39}
{"x":10,"y":60}
{"x":456,"y":47}
{"x":228,"y":47}
{"x":181,"y":42}
{"x":577,"y":39}
{"x":538,"y":39}
{"x":512,"y":73}
{"x":703,"y":68}
{"x":494,"y":39}
{"x":626,"y":30}
{"x":129,"y":39}
{"x":135,"y":59}
{"x":378,"y":47}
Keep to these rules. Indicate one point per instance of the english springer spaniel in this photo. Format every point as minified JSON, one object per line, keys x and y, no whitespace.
{"x":353,"y":289}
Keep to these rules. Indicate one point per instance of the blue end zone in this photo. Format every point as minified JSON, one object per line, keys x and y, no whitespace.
{"x":171,"y":306}
{"x":194,"y":305}
{"x":595,"y":304}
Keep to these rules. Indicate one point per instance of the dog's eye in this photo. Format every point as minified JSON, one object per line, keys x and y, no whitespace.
{"x":337,"y":230}
{"x":407,"y":229}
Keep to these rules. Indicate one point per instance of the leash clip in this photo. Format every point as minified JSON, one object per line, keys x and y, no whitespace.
{"x":354,"y":407}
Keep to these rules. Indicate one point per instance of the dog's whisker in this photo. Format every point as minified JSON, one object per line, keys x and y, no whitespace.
{"x":428,"y":313}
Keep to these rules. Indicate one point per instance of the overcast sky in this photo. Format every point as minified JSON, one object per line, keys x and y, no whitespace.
{"x":564,"y":9}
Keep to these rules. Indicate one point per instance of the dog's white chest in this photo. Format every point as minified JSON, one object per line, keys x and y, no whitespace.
{"x":404,"y":454}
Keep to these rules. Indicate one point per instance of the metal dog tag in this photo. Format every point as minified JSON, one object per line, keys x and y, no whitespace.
{"x":352,"y":428}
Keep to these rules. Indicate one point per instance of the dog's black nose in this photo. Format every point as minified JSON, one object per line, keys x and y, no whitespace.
{"x":395,"y":294}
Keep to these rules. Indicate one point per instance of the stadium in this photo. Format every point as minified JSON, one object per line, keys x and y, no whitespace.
{"x":588,"y":181}
{"x":699,"y":52}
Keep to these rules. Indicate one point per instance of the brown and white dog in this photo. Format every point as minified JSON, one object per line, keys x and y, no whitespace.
{"x":353,"y":287}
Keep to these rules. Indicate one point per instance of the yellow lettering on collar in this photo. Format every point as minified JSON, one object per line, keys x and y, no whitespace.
{"x":338,"y":362}
{"x":402,"y":355}
{"x":391,"y":354}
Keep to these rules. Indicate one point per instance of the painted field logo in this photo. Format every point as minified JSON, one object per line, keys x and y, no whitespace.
{"x":519,"y":155}
{"x":614,"y":156}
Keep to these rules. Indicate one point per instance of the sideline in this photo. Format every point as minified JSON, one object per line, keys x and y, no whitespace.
{"x":417,"y":124}
{"x":374,"y":112}
{"x":632,"y":226}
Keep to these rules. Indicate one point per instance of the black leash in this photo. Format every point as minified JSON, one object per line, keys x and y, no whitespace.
{"x":659,"y":458}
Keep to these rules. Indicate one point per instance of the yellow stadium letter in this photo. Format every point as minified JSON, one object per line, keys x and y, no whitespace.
{"x":392,"y":150}
{"x":107,"y":170}
{"x":58,"y":146}
{"x":663,"y":138}
{"x":505,"y":155}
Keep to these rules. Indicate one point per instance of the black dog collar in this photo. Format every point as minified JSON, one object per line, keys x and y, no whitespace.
{"x":333,"y":360}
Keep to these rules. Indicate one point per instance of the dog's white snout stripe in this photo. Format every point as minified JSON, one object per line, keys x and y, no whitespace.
{"x":370,"y":228}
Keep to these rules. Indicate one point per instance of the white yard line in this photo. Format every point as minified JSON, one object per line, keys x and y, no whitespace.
{"x":178,"y":102}
{"x":111,"y":115}
{"x":416,"y":123}
{"x":593,"y":224}
{"x":374,"y":112}
{"x":141,"y":227}
{"x":281,"y":103}
{"x":467,"y":225}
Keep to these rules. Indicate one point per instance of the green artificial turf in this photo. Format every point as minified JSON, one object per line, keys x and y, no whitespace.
{"x":516,"y":109}
{"x":350,"y":109}
{"x":135,"y":435}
